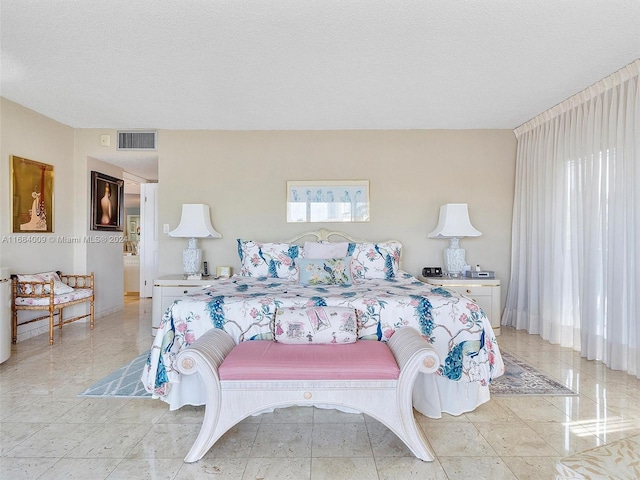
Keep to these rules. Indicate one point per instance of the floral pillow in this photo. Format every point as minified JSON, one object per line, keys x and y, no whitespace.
{"x":275,"y":260}
{"x":59,"y":288}
{"x":315,"y":325}
{"x":375,"y":260}
{"x":327,"y":271}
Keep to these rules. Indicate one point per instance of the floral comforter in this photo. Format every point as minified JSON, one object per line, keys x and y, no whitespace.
{"x":245,"y":306}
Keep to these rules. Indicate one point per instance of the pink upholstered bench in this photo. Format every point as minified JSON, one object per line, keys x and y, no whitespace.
{"x":266,"y":360}
{"x":371,"y":377}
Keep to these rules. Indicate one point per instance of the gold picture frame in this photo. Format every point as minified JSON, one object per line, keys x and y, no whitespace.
{"x":31,"y":196}
{"x":328,"y":201}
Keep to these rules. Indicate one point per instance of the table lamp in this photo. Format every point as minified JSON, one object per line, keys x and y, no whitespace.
{"x":195,"y":223}
{"x":454,"y":223}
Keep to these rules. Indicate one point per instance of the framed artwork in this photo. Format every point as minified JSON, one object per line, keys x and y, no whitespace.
{"x":31,"y":195}
{"x":223,"y":272}
{"x":107,"y":202}
{"x":133,"y":228}
{"x":328,"y":201}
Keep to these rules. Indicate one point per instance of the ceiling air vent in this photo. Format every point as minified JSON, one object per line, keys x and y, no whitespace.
{"x":137,"y":140}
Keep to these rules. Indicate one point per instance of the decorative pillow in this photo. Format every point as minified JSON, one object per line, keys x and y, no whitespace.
{"x":375,"y":260}
{"x":275,"y":260}
{"x":38,"y":277}
{"x":325,"y":249}
{"x":319,"y":325}
{"x":328,"y":271}
{"x":59,"y":288}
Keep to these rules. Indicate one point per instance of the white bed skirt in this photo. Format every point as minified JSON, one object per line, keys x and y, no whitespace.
{"x":433,"y":395}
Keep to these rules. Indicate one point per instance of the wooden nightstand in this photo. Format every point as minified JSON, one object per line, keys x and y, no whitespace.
{"x":485,"y":292}
{"x":168,"y":289}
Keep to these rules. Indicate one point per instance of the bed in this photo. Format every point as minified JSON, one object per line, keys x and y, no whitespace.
{"x":361,"y":275}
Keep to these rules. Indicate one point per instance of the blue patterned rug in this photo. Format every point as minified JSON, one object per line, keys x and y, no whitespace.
{"x":123,"y":383}
{"x":521,"y":378}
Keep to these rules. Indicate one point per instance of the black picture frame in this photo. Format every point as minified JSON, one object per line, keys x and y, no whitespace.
{"x":107,"y":207}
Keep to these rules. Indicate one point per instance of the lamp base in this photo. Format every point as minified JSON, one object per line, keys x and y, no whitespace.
{"x":191,"y":258}
{"x":454,"y":259}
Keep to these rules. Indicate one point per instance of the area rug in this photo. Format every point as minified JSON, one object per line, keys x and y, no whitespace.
{"x":123,"y":383}
{"x":522,"y":379}
{"x":519,"y":379}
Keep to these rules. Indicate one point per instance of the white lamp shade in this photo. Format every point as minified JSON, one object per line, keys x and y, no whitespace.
{"x":195,"y":222}
{"x":454,"y":222}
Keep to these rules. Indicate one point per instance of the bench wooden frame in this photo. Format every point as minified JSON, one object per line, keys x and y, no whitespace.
{"x":74,"y":281}
{"x":230,"y":401}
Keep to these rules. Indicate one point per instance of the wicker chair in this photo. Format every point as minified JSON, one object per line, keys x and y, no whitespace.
{"x":51,"y":292}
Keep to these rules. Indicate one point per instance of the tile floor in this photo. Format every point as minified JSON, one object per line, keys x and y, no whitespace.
{"x":48,"y":432}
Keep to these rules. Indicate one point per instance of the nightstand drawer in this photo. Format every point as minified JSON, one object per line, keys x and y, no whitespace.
{"x":473,"y":291}
{"x":181,"y":290}
{"x":167,"y":290}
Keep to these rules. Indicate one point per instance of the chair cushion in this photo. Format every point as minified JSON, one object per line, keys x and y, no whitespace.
{"x":267,"y":360}
{"x":76,"y":294}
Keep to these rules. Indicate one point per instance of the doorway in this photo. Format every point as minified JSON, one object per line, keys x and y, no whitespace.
{"x":131,"y":245}
{"x":137,"y":170}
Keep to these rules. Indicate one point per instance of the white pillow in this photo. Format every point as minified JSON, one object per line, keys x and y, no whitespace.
{"x":60,"y":288}
{"x":37,"y":277}
{"x":317,"y":250}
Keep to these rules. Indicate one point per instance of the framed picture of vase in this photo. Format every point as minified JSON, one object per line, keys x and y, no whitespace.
{"x":107,"y":202}
{"x":31,"y":196}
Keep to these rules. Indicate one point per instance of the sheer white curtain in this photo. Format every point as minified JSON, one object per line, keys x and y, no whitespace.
{"x":575,"y":266}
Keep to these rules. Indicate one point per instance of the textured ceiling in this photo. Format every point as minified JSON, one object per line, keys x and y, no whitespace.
{"x":324,"y":64}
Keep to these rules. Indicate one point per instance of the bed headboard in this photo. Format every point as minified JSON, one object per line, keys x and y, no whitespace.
{"x":325,"y":235}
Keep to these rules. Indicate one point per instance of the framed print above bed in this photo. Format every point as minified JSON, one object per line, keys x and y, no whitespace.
{"x":31,"y":195}
{"x":328,"y":201}
{"x":107,"y":202}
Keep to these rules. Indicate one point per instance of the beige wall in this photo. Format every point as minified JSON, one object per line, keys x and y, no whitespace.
{"x":104,"y":257}
{"x":242,"y":177}
{"x":28,"y":134}
{"x":31,"y":135}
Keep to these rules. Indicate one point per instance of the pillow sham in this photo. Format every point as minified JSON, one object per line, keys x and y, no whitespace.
{"x":275,"y":260}
{"x":60,"y":288}
{"x":375,"y":260}
{"x":40,"y":277}
{"x":327,"y":271}
{"x":315,"y":325}
{"x":325,"y":249}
